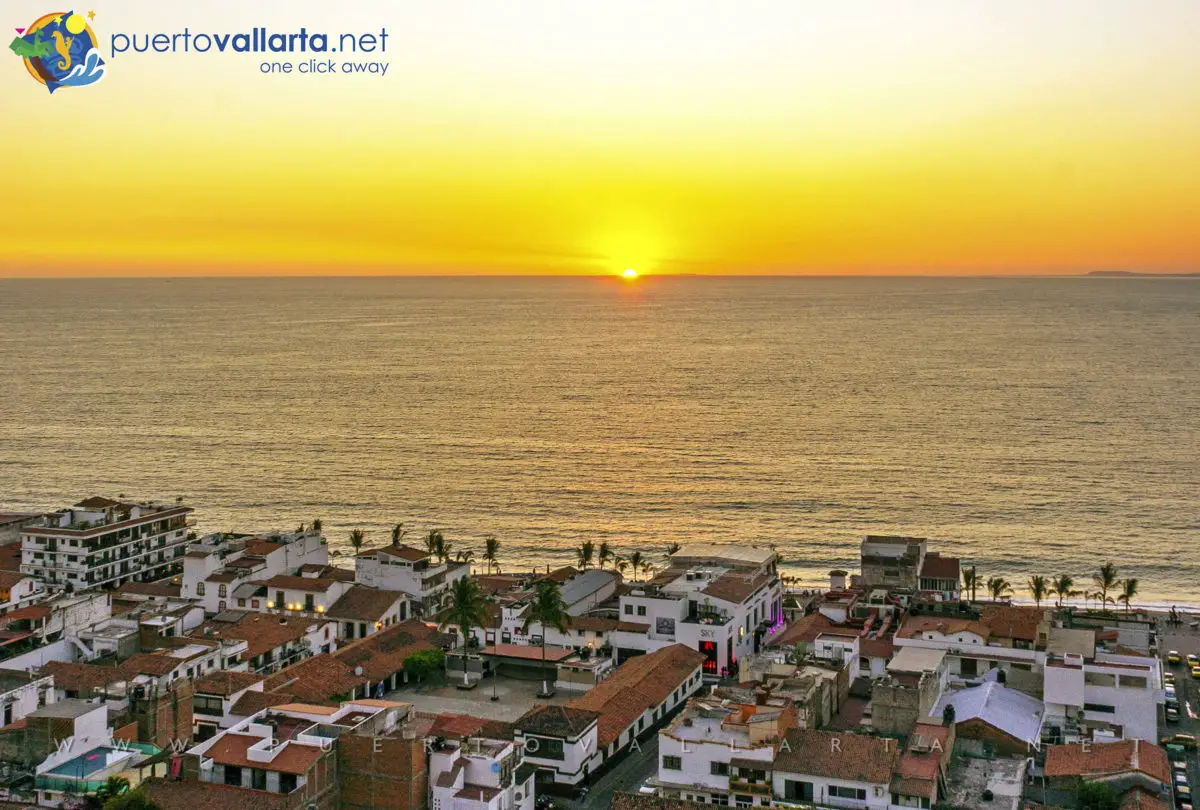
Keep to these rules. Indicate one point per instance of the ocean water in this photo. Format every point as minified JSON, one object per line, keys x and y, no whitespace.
{"x":1026,"y":425}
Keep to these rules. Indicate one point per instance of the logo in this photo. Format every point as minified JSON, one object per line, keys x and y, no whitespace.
{"x":59,"y":50}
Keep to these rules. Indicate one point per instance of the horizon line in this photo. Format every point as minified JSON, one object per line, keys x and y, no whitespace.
{"x":1100,"y":274}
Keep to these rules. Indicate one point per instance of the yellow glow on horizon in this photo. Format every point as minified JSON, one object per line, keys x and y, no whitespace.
{"x":629,"y":273}
{"x":916,"y":136}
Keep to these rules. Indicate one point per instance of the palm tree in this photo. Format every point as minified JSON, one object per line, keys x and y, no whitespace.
{"x":441,"y":548}
{"x":621,"y":564}
{"x":1063,"y":584}
{"x":466,"y":555}
{"x":1038,"y":588}
{"x":998,"y":587}
{"x":356,"y":539}
{"x":491,"y":551}
{"x":672,"y":548}
{"x":1105,"y":580}
{"x":970,"y":580}
{"x":468,"y":610}
{"x":1129,"y":589}
{"x":317,"y":525}
{"x":398,"y":532}
{"x":548,"y":610}
{"x":586,"y":552}
{"x":431,"y":540}
{"x":606,"y":553}
{"x":636,"y":562}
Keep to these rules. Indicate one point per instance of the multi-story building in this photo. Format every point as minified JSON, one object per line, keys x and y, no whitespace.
{"x":562,"y":743}
{"x":11,"y":524}
{"x":104,"y":543}
{"x":411,"y":570}
{"x":892,"y":562}
{"x":218,"y":569}
{"x":18,"y":590}
{"x":724,"y":602}
{"x":291,"y":751}
{"x":834,"y":769}
{"x":720,"y":752}
{"x":479,"y":774}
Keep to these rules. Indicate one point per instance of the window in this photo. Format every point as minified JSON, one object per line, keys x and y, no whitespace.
{"x":744,"y":801}
{"x":287,"y":782}
{"x":253,"y":603}
{"x":718,"y":768}
{"x":858,"y":794}
{"x":641,"y":610}
{"x":241,"y":602}
{"x":233,"y":775}
{"x":1099,"y":707}
{"x":199,"y":589}
{"x":670,"y":763}
{"x":1099,"y":679}
{"x":309,"y":604}
{"x":1132,"y":682}
{"x":258,"y":779}
{"x":629,"y":610}
{"x":223,"y":590}
{"x":797,"y":791}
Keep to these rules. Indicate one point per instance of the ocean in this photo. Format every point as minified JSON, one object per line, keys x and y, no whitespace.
{"x":1028,"y":426}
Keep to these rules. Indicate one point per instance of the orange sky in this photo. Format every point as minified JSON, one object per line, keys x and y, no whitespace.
{"x":700,"y":136}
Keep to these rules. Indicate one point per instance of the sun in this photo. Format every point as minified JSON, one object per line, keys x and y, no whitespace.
{"x":629,"y":273}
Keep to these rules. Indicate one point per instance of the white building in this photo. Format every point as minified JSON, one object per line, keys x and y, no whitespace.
{"x":1102,"y":696}
{"x":18,"y":590}
{"x":724,"y":602}
{"x":411,"y":570}
{"x":218,"y":568}
{"x":721,"y":753}
{"x":835,"y":769}
{"x":213,"y":698}
{"x":479,"y":774}
{"x":561,"y":742}
{"x":102,"y":542}
{"x":22,"y":693}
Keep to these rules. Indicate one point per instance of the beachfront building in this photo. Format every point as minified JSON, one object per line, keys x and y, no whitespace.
{"x":218,"y":569}
{"x":719,"y":752}
{"x":100,"y":542}
{"x":399,"y":567}
{"x":723,"y":601}
{"x":891,"y":562}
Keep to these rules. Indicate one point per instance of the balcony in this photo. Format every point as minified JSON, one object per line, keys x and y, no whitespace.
{"x":742,"y":786}
{"x":716,"y":619}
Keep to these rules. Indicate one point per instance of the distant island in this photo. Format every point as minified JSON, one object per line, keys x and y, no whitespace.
{"x":1131,"y":274}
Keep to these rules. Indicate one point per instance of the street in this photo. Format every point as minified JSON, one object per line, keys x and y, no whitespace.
{"x":627,"y":777}
{"x":1185,"y":641}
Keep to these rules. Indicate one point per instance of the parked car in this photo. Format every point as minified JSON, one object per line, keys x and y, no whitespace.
{"x":1182,"y":740}
{"x":1196,"y":672}
{"x":1173,"y":657}
{"x":1193,"y":660}
{"x":1181,"y":778}
{"x":1183,"y":793}
{"x":1172,"y":715}
{"x":1179,"y":766}
{"x":1169,"y":678}
{"x":646,"y":790}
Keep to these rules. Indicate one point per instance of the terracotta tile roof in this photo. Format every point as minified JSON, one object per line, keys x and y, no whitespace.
{"x":401,"y":551}
{"x":494,"y":611}
{"x":1108,"y":759}
{"x":225,"y":682}
{"x":854,"y":757}
{"x":640,"y":684}
{"x":736,"y":586}
{"x":295,"y":758}
{"x":10,"y":556}
{"x":10,"y":579}
{"x":494,"y":583}
{"x":150,"y":664}
{"x":945,"y":625}
{"x":1013,"y":621}
{"x":254,"y":702}
{"x":286,"y":583}
{"x":560,"y":575}
{"x":97,"y":502}
{"x":805,"y":629}
{"x":328,"y":572}
{"x":150,"y":589}
{"x":79,"y":677}
{"x":28,"y":612}
{"x":593,"y":624}
{"x":364,"y":604}
{"x":913,"y":786}
{"x":633,"y":627}
{"x":222,"y":577}
{"x":556,"y":721}
{"x":189,"y":795}
{"x":261,"y":548}
{"x":316,"y":679}
{"x":382,"y":654}
{"x":458,"y":726}
{"x":262,"y":632}
{"x":916,"y":774}
{"x":876,"y":647}
{"x":938,"y":567}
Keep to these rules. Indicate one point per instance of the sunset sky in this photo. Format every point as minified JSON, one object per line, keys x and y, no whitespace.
{"x":561,"y":136}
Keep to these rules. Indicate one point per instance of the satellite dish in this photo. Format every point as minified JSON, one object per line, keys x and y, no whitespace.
{"x":358,"y":671}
